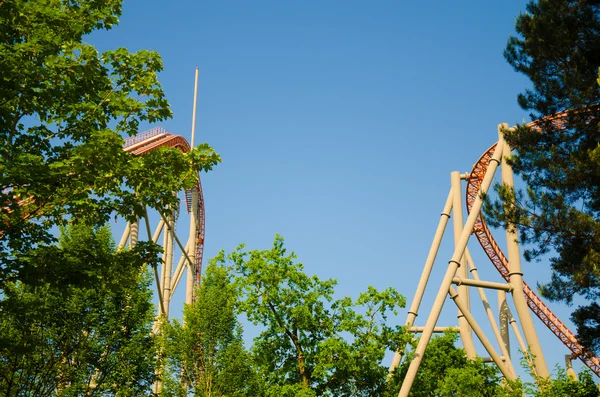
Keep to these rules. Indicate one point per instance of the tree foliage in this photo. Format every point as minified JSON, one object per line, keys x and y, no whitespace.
{"x":205,"y":354}
{"x":312,"y":344}
{"x":558,"y":48}
{"x":64,"y":109}
{"x":445,"y":371}
{"x":73,"y":341}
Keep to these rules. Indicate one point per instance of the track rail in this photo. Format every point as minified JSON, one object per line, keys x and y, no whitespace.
{"x":500,"y":262}
{"x":150,"y":140}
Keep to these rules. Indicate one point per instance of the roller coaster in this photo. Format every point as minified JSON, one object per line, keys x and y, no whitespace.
{"x":478,"y":181}
{"x":158,"y":137}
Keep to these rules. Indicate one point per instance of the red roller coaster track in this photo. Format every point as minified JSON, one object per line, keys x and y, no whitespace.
{"x":153,"y":139}
{"x":493,"y":251}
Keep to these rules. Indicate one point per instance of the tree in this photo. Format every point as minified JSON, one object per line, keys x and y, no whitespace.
{"x":77,"y":341}
{"x":311,"y":344}
{"x":64,"y":109}
{"x":206,"y":354}
{"x":558,"y":48}
{"x":445,"y":371}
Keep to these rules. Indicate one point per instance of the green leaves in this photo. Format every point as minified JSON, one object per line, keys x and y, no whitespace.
{"x":557,"y":47}
{"x":64,"y":110}
{"x":312,"y":344}
{"x":206,"y":352}
{"x":88,"y":336}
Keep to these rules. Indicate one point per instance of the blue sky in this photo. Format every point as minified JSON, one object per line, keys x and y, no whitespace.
{"x":339,"y":123}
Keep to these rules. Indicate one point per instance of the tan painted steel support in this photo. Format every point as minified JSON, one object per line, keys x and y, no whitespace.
{"x":450,"y":273}
{"x":490,"y":314}
{"x":482,"y":284}
{"x":159,"y":229}
{"x":417,"y":330}
{"x":161,"y":302}
{"x":521,"y":342}
{"x":503,"y":316}
{"x":125,"y":236}
{"x":516,"y":274}
{"x":463,"y":272}
{"x":435,"y":246}
{"x":480,"y":334}
{"x":569,"y":366}
{"x":181,"y":267}
{"x":168,"y":261}
{"x":134,"y":233}
{"x":174,"y":235}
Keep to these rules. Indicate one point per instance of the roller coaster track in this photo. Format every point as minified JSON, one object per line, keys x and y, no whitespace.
{"x":150,"y":140}
{"x":499,"y":260}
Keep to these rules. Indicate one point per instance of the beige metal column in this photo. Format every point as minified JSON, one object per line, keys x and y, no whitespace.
{"x":490,"y":315}
{"x":168,"y":261}
{"x":125,"y":236}
{"x":569,"y":365}
{"x":508,"y":374}
{"x":435,"y":246}
{"x":503,"y":316}
{"x":516,"y":274}
{"x":453,"y":265}
{"x":466,"y":334}
{"x":133,"y":233}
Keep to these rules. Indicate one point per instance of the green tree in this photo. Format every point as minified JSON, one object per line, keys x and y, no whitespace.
{"x":559,"y":385}
{"x":64,"y":109}
{"x":311,"y":344}
{"x":558,"y":48}
{"x":71,"y":341}
{"x":445,"y":372}
{"x":206,"y":353}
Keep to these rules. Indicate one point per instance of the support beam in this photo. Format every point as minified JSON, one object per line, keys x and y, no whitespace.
{"x":481,"y":335}
{"x":482,"y":284}
{"x":168,"y":262}
{"x":124,"y":237}
{"x":134,"y":232}
{"x":172,"y":230}
{"x":453,"y":265}
{"x":503,"y":317}
{"x":181,"y":267}
{"x":417,"y":330}
{"x":466,"y":334}
{"x":433,"y":251}
{"x":516,"y":274}
{"x":161,"y":303}
{"x":490,"y":315}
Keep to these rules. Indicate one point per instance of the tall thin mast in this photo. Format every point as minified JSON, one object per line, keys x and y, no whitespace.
{"x":191,"y":273}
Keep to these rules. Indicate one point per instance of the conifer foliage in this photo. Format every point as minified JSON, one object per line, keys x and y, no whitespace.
{"x":558,"y":48}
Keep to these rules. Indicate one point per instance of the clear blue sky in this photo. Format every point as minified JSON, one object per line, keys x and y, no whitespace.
{"x":339,"y":123}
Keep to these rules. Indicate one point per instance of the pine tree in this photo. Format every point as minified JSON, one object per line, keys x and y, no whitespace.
{"x":558,"y":48}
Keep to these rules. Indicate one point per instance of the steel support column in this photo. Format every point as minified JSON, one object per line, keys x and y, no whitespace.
{"x":516,"y":274}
